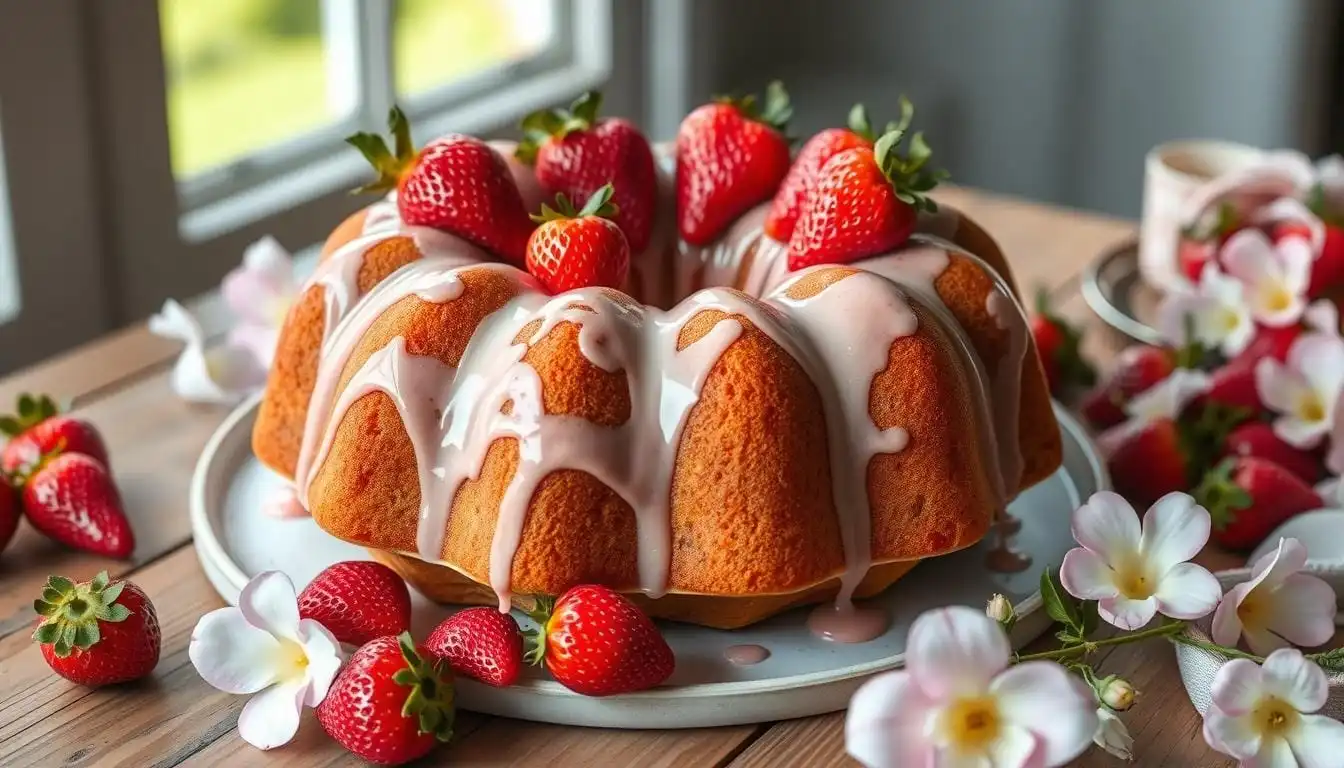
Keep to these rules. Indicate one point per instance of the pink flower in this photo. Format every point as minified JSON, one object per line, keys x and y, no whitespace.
{"x":1305,"y":391}
{"x":1274,"y":275}
{"x":260,"y":293}
{"x":1279,"y":606}
{"x":958,"y":703}
{"x":262,"y":647}
{"x":1135,"y":571}
{"x":1217,"y":310}
{"x":1262,"y":715}
{"x":223,"y":373}
{"x":1322,"y":316}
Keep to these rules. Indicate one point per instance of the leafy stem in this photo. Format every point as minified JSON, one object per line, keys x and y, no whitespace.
{"x":1086,"y":647}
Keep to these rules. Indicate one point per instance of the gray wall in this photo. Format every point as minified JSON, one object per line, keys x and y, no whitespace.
{"x":1055,"y":100}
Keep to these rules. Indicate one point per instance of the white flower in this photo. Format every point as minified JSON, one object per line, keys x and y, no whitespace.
{"x":1290,"y":210}
{"x":1167,"y":398}
{"x":1331,"y":491}
{"x":1217,"y":310}
{"x":262,"y":647}
{"x":1135,"y":572}
{"x":1322,"y":316}
{"x":1262,"y":715}
{"x":1112,"y":735}
{"x":1116,"y":693}
{"x":958,"y":703}
{"x":999,"y":609}
{"x":221,"y":374}
{"x":1274,"y":275}
{"x":1279,"y":606}
{"x":260,"y":293}
{"x":1306,"y":391}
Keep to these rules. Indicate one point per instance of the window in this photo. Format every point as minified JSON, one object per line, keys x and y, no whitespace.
{"x":265,"y":91}
{"x":9,"y":272}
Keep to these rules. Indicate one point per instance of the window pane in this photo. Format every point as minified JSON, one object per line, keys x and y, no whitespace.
{"x":438,"y":41}
{"x":242,"y":74}
{"x":9,"y":272}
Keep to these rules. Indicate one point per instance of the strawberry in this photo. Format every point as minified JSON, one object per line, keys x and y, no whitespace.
{"x":1057,"y":342}
{"x":802,"y":175}
{"x":480,"y":643}
{"x":597,"y":643}
{"x":97,"y":632}
{"x":1249,"y":497}
{"x":1257,"y":439}
{"x":730,"y":157}
{"x":358,"y":600}
{"x":1328,"y":270}
{"x":1200,"y":243}
{"x":1234,"y":386}
{"x":38,"y":430}
{"x":865,"y":202}
{"x":455,"y":183}
{"x":1149,"y":462}
{"x":1136,"y":370}
{"x":388,"y":705}
{"x":1268,"y":342}
{"x":1193,"y":255}
{"x":578,"y":249}
{"x":71,"y":498}
{"x":576,"y":154}
{"x":9,"y":512}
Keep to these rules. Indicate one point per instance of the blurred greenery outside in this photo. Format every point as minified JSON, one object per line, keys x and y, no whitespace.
{"x":245,"y":74}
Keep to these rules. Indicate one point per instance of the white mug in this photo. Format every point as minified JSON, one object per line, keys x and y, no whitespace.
{"x":1173,"y":173}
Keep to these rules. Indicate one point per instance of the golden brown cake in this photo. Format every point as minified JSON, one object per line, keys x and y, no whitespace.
{"x":768,"y":439}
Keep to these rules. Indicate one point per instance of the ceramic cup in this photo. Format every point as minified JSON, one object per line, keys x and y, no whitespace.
{"x":1198,"y":666}
{"x":1173,"y":173}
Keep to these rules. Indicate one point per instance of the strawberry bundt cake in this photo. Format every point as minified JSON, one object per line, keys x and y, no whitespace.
{"x":747,"y":422}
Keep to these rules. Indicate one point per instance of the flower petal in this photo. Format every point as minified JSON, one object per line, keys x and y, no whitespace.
{"x":1055,"y":706}
{"x":234,"y":369}
{"x":1188,"y":592}
{"x":231,"y":654}
{"x":1237,"y":687}
{"x":1086,"y":576}
{"x":1334,"y":458}
{"x":955,"y":650}
{"x":1176,"y":308}
{"x":270,"y":603}
{"x":1108,"y":526}
{"x":1296,"y":255}
{"x":1292,"y":677}
{"x":1249,"y":257}
{"x":1273,"y":567}
{"x":271,"y":718}
{"x":886,"y":722}
{"x":1274,"y":752}
{"x":175,"y":322}
{"x":324,"y":659}
{"x":1112,"y":735}
{"x":1305,"y":435}
{"x":1322,"y":316}
{"x":1320,"y":358}
{"x":1317,"y":741}
{"x":1226,"y":623}
{"x":1168,"y":398}
{"x":1288,"y":210}
{"x":1016,"y":747}
{"x":1302,"y":611}
{"x":1232,"y":735}
{"x":1261,"y":640}
{"x":258,"y":340}
{"x":1174,"y":530}
{"x":1126,"y":613}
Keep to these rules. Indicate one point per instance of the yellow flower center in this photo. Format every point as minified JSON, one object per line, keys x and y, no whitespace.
{"x":971,"y":724}
{"x":292,"y":661}
{"x":1278,"y":298}
{"x":1252,"y":610}
{"x":1134,"y":581}
{"x":1310,"y":408}
{"x":1228,"y":321}
{"x":1274,"y":716}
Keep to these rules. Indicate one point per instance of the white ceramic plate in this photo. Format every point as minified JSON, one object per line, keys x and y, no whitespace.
{"x":1321,"y":531}
{"x":803,"y":676}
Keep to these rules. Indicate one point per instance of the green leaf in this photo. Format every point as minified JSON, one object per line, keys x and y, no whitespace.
{"x":116,"y":613}
{"x":859,"y":123}
{"x":1090,"y":618}
{"x":47,"y":634}
{"x":430,"y":719}
{"x":62,"y":585}
{"x":27,"y":406}
{"x":10,"y":426}
{"x":882,"y":149}
{"x":405,"y":676}
{"x":44,"y":608}
{"x":1058,"y":605}
{"x":907,"y":114}
{"x":1067,"y":637}
{"x":1330,"y":661}
{"x":86,"y":634}
{"x":99,"y":583}
{"x":111,"y":594}
{"x":401,"y":134}
{"x":919,"y":152}
{"x":585,"y":109}
{"x":50,"y":595}
{"x":600,"y":203}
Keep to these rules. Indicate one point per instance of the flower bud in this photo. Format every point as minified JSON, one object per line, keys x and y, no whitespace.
{"x":1116,"y":693}
{"x":999,"y":609}
{"x":1112,"y":735}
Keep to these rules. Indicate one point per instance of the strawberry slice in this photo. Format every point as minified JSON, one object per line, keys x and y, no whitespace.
{"x":1249,"y":497}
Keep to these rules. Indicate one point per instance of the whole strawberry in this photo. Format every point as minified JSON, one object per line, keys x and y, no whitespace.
{"x":1249,"y":497}
{"x":456,"y":183}
{"x":1234,"y":386}
{"x":38,"y":429}
{"x":578,"y":249}
{"x":71,"y":498}
{"x":358,"y":600}
{"x":576,"y":154}
{"x":389,"y":706}
{"x":9,"y":512}
{"x":1058,"y":343}
{"x":1136,"y":370}
{"x":802,"y":176}
{"x":1258,"y":439}
{"x":1267,"y":342}
{"x":1148,"y":462}
{"x":596,"y":642}
{"x":730,"y":157}
{"x":865,"y":202}
{"x":97,"y":632}
{"x":480,"y":643}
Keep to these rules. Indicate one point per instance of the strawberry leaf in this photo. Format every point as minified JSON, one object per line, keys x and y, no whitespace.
{"x":115,"y":613}
{"x":389,"y":167}
{"x":47,"y":634}
{"x":1222,"y":497}
{"x":10,"y":426}
{"x":430,"y":700}
{"x":62,"y":585}
{"x":859,"y":123}
{"x":600,"y":203}
{"x":583,"y":112}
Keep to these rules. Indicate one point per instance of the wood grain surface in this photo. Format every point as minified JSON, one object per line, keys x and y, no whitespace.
{"x":121,"y":383}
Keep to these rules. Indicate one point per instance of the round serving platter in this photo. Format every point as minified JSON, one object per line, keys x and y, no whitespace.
{"x":1116,"y":292}
{"x":803,"y":675}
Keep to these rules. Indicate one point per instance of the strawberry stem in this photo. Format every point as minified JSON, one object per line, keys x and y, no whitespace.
{"x":71,"y":612}
{"x":535,"y":639}
{"x":32,"y":410}
{"x":776,"y":113}
{"x":430,"y":699}
{"x":545,"y":124}
{"x":908,"y":174}
{"x":390,"y":167}
{"x":1222,"y":497}
{"x":599,"y":204}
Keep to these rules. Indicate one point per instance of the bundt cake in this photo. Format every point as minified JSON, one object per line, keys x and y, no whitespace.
{"x":723,"y":439}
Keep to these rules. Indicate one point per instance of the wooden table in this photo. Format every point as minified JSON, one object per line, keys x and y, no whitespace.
{"x":121,"y":383}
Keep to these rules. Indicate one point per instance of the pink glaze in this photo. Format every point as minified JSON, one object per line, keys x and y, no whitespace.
{"x":284,"y":503}
{"x":847,"y":623}
{"x":746,"y":655}
{"x":717,"y":264}
{"x":383,"y":215}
